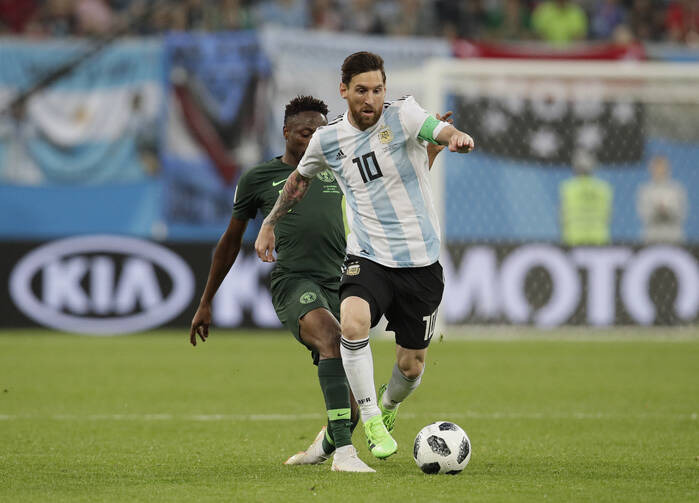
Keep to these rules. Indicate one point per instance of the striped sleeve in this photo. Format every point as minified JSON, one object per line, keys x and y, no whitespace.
{"x":418,"y":122}
{"x":313,"y":161}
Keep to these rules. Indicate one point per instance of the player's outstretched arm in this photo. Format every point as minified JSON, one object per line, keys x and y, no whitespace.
{"x":432,"y":149}
{"x":224,"y":257}
{"x":294,"y":190}
{"x":455,"y":140}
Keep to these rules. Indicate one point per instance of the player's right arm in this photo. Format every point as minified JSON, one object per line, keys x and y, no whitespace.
{"x":294,"y":190}
{"x":224,"y":257}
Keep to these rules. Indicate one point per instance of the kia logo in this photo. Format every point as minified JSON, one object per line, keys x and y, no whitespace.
{"x":101,"y":285}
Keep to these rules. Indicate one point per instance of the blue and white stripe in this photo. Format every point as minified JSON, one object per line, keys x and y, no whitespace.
{"x":392,"y":218}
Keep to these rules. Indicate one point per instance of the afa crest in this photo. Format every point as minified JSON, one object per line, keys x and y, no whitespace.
{"x":326,"y":176}
{"x":385,"y":135}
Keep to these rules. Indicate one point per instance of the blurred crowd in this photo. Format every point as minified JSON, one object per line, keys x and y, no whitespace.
{"x":558,"y":22}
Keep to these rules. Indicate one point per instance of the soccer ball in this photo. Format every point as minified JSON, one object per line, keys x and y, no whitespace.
{"x":442,"y":447}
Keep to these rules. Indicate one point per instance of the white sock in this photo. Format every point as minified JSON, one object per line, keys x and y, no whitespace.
{"x":399,"y":387}
{"x":359,"y":368}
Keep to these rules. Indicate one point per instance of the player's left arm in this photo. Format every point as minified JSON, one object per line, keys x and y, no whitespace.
{"x":433,"y":130}
{"x":294,"y":190}
{"x":455,"y":140}
{"x":433,"y":149}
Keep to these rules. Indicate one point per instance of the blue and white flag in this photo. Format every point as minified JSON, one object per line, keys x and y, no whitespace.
{"x":92,"y":125}
{"x":214,"y":127}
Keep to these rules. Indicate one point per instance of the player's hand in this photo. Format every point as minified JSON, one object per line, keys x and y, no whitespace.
{"x":200,"y":324}
{"x":432,"y":148}
{"x":460,"y":142}
{"x":264,"y":244}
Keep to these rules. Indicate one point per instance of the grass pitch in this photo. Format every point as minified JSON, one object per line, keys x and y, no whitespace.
{"x":557,"y":417}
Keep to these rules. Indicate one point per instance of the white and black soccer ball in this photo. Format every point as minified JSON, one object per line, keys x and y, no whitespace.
{"x":442,"y":447}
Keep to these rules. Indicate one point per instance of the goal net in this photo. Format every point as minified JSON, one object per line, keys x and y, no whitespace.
{"x":506,"y":257}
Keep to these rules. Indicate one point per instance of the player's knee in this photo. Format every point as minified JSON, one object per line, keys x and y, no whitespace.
{"x":328,"y":344}
{"x":355,"y":318}
{"x":322,"y":333}
{"x":354,"y":328}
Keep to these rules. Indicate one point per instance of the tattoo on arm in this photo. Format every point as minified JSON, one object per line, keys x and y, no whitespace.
{"x":294,"y":189}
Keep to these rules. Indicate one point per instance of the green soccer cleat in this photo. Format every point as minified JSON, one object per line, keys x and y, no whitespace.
{"x":381,"y":443}
{"x":388,"y":416}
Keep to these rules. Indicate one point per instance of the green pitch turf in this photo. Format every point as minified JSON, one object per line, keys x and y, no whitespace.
{"x":558,"y":416}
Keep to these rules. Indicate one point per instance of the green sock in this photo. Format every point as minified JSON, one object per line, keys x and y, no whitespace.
{"x":329,"y":443}
{"x":333,"y":382}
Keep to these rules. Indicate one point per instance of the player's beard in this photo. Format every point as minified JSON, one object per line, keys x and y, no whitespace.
{"x":365,"y":121}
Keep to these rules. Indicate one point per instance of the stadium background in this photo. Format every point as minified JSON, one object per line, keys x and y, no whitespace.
{"x":123,"y":127}
{"x":135,"y":119}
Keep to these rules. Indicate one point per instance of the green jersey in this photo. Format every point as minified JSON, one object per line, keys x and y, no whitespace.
{"x":310,"y":240}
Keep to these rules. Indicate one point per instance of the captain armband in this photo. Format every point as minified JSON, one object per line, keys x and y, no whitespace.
{"x":430,"y":129}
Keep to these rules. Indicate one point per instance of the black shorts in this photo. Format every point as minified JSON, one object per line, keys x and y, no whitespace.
{"x":408,"y":297}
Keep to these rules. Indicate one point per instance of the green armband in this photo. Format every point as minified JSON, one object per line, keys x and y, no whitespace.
{"x":427,"y":130}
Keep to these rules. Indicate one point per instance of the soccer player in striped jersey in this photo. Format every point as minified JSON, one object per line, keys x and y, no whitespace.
{"x":377,"y":152}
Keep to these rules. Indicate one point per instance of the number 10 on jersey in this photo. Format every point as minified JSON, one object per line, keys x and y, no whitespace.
{"x":368,"y":167}
{"x":430,"y":322}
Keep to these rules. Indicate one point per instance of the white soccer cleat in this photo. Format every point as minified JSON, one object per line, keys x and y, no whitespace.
{"x":346,"y":460}
{"x":314,"y":455}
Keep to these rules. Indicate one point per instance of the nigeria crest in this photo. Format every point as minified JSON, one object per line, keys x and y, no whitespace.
{"x":326,"y":176}
{"x":308,"y":297}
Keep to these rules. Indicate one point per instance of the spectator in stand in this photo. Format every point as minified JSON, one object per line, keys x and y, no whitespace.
{"x":559,"y":22}
{"x":177,"y":17}
{"x":682,"y":22}
{"x":465,"y":20}
{"x":662,"y":205}
{"x":231,"y":15}
{"x":410,"y":18}
{"x":606,"y":17}
{"x":646,"y":19}
{"x":556,"y":21}
{"x":197,"y":14}
{"x":15,"y":16}
{"x":93,"y":17}
{"x":361,"y":16}
{"x":509,"y":20}
{"x":57,"y":19}
{"x":287,"y":13}
{"x":325,"y":15}
{"x":159,"y":21}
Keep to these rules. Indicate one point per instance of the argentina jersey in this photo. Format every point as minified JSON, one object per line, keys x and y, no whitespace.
{"x":383,"y":172}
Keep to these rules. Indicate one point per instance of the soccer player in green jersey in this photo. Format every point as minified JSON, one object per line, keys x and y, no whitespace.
{"x":305,"y":281}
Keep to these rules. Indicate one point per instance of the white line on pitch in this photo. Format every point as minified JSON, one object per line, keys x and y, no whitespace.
{"x":301,"y":417}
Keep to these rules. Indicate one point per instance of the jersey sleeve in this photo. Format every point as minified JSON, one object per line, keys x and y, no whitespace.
{"x":418,"y":122}
{"x":313,"y":161}
{"x":246,"y":202}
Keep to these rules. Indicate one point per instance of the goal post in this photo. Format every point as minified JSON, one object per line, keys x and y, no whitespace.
{"x":500,"y":204}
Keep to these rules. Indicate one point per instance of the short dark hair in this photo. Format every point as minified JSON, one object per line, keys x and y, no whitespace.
{"x":361,"y":62}
{"x":304,"y":104}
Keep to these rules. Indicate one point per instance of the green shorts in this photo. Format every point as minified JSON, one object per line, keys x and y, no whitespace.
{"x":294,"y":296}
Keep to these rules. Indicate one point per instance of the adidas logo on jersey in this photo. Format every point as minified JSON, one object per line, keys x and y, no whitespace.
{"x":340,"y":155}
